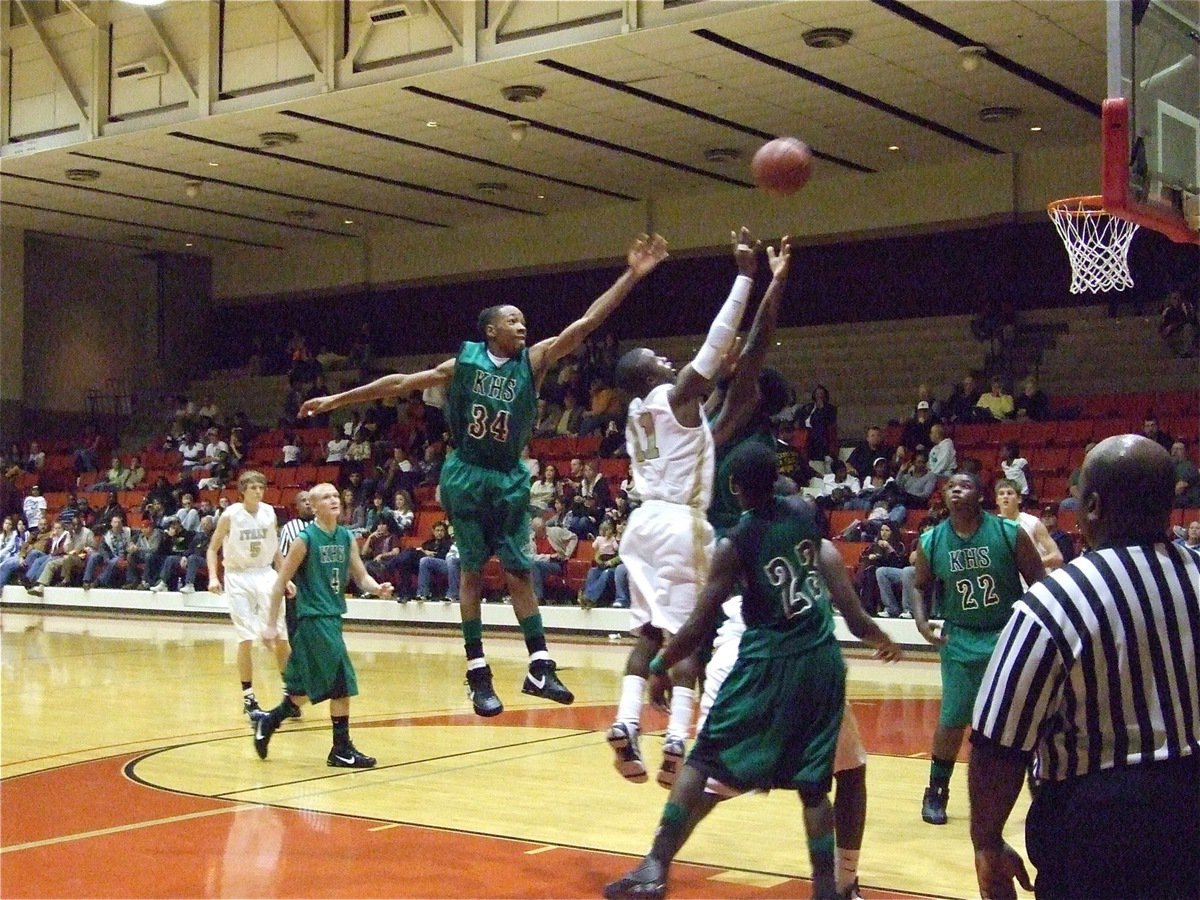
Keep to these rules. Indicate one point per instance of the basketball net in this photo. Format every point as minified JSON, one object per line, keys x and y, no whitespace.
{"x":1097,"y":244}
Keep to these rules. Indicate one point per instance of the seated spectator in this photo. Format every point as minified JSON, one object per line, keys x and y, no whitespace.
{"x":161,"y":493}
{"x":605,"y":559}
{"x":352,"y":427}
{"x":887,"y":578}
{"x":1190,"y":538}
{"x":1064,"y":542}
{"x":838,"y":487}
{"x":360,"y":451}
{"x":546,"y":420}
{"x":408,"y":562}
{"x":1015,"y":467}
{"x":997,"y":402}
{"x":11,"y":462}
{"x":599,"y":413}
{"x":1179,"y":325}
{"x":67,"y":557}
{"x":186,"y":515}
{"x":619,"y":512}
{"x":237,"y":448}
{"x":112,"y":507}
{"x":1151,"y":430}
{"x":354,"y":513}
{"x":1187,"y":478}
{"x":570,"y":417}
{"x":583,"y":518}
{"x":377,"y":514}
{"x":214,"y":448}
{"x":593,"y":484}
{"x":916,"y":434}
{"x":916,"y":482}
{"x":430,"y":467}
{"x":886,"y":550}
{"x":960,"y":406}
{"x":819,"y":418}
{"x":101,"y":564}
{"x":1071,"y":501}
{"x":402,"y":513}
{"x":1032,"y":403}
{"x":33,"y":508}
{"x":874,"y":485}
{"x":86,"y":455}
{"x":942,"y":458}
{"x":552,"y":547}
{"x":36,"y":460}
{"x":336,"y":447}
{"x":380,"y":549}
{"x":398,"y":473}
{"x":935,"y":405}
{"x":192,"y":449}
{"x":40,"y":549}
{"x":612,"y":444}
{"x":175,"y":544}
{"x":135,"y":474}
{"x":545,"y":490}
{"x":861,"y":461}
{"x":144,"y":557}
{"x":208,"y":411}
{"x":13,"y":535}
{"x":292,"y":451}
{"x":447,"y":567}
{"x":73,"y":509}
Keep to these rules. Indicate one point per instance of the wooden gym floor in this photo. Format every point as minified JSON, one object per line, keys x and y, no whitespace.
{"x":128,"y":770}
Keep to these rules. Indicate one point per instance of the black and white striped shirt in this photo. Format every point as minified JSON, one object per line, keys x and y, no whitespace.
{"x":289,"y":532}
{"x":1097,"y":666}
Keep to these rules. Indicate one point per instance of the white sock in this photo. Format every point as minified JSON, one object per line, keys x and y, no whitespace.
{"x":683,"y":707}
{"x":847,"y":868}
{"x":629,"y":710}
{"x":538,"y":654}
{"x":248,"y":692}
{"x":476,"y":663}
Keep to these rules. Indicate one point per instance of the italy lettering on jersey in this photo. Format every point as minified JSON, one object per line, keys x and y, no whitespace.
{"x":668,"y":461}
{"x":490,"y":409}
{"x":979,"y":576}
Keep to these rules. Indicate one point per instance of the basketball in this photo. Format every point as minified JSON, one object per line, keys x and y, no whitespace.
{"x":782,"y":166}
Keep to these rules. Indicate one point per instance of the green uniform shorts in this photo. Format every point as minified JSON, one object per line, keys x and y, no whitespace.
{"x":490,"y":513}
{"x":775,"y":722}
{"x":320,"y":666}
{"x":965,"y":659}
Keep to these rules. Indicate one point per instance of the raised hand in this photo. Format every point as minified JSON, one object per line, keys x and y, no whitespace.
{"x":745,"y":251}
{"x":315,"y":407}
{"x":780,"y":262}
{"x":646,"y":253}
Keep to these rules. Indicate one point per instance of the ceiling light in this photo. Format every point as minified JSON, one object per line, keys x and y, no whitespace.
{"x":188,"y":244}
{"x":894,"y":148}
{"x":541,"y":196}
{"x":192,"y":187}
{"x":491,"y":187}
{"x":517,"y":129}
{"x":522,"y":93}
{"x":82,"y":174}
{"x":1035,"y":127}
{"x":278,"y":138}
{"x":432,"y":123}
{"x":213,"y":163}
{"x":827,"y":38}
{"x":347,"y":221}
{"x":999,"y":113}
{"x":722,"y":154}
{"x":970,"y":56}
{"x":301,"y":215}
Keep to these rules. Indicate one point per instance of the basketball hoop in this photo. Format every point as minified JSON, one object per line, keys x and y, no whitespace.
{"x":1097,"y":244}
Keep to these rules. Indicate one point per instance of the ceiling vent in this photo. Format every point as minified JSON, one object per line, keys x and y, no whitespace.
{"x":278,"y":138}
{"x":827,"y":38}
{"x":150,"y":67}
{"x":82,"y":174}
{"x":491,"y":187}
{"x":522,"y":93}
{"x":998,"y":113}
{"x":722,"y":154}
{"x":390,"y":12}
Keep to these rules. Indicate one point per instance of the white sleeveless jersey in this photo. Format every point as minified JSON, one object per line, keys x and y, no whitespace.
{"x":669,"y":462}
{"x":252,"y":539}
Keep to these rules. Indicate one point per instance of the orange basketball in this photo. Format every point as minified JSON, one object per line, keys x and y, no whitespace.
{"x":782,"y":166}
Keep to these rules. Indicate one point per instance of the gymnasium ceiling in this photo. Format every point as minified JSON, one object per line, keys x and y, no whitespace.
{"x":627,"y":117}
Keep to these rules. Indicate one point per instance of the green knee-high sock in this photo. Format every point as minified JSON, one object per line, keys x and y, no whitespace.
{"x":535,"y":636}
{"x":472,"y":630}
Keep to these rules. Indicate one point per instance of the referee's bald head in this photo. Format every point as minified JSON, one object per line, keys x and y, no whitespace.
{"x":1127,"y":486}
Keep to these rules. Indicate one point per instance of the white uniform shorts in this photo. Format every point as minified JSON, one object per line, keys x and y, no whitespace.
{"x":850,"y":753}
{"x":666,"y":549}
{"x":248,"y":594}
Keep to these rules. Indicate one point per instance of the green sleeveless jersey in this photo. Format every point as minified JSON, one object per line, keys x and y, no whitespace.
{"x":724,"y":510}
{"x":491,"y":409}
{"x":321,"y":580}
{"x":786,"y":603}
{"x":979,"y":576}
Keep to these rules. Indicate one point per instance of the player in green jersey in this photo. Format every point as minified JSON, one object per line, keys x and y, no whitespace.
{"x":322,"y":558}
{"x":776,"y":718}
{"x":484,"y":485}
{"x":979,"y":560}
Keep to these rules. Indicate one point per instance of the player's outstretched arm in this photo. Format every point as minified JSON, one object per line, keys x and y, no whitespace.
{"x":644,"y":256}
{"x":215,"y":543}
{"x":695,"y":380}
{"x":363,"y":578}
{"x":741,"y":397}
{"x":845,"y":599}
{"x":381,"y":388}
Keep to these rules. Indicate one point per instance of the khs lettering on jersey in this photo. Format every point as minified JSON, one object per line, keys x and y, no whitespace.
{"x":969,"y":559}
{"x":333,"y":553}
{"x":496,"y":387}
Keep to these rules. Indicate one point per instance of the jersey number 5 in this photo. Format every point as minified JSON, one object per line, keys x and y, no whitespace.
{"x":480,"y":427}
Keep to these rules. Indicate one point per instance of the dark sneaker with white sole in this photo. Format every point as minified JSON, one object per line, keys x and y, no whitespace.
{"x":648,"y":880}
{"x":542,"y":681}
{"x":482,"y":694}
{"x":349,"y":757}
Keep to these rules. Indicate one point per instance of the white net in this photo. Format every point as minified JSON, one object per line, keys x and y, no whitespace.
{"x":1097,"y":244}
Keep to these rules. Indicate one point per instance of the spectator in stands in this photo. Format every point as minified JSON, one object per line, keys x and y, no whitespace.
{"x":336,"y":447}
{"x":1190,"y":539}
{"x":144,"y":557}
{"x":377,"y":512}
{"x":552,"y":547}
{"x":960,"y":406}
{"x":292,"y":451}
{"x":605,"y":559}
{"x":220,"y":474}
{"x":597,"y":416}
{"x":886,"y":550}
{"x":102,"y":562}
{"x":619,"y":512}
{"x":887,"y":578}
{"x":545,"y":490}
{"x":917,"y":429}
{"x":861,"y":461}
{"x":184,"y":414}
{"x":1071,"y":501}
{"x":161,"y":493}
{"x":838,"y":487}
{"x":13,"y":535}
{"x":430,"y":467}
{"x":36,"y":460}
{"x":352,"y":427}
{"x":112,"y":507}
{"x":612,"y":444}
{"x":402,"y":513}
{"x":86,"y":456}
{"x":67,"y":557}
{"x":819,"y":418}
{"x":935,"y":405}
{"x":360,"y":451}
{"x":943,"y":458}
{"x":1062,"y":540}
{"x":33,"y":508}
{"x":380,"y":549}
{"x":1151,"y":430}
{"x":448,"y":567}
{"x":583,"y":519}
{"x":187,"y":515}
{"x":1008,"y":506}
{"x":237,"y":448}
{"x":10,"y":462}
{"x":1015,"y":468}
{"x":997,"y":402}
{"x":175,"y":544}
{"x":208,"y":412}
{"x":39,"y":548}
{"x":135,"y":473}
{"x":593,"y":484}
{"x":570,"y":417}
{"x":397,"y":473}
{"x":408,"y":562}
{"x":558,"y":512}
{"x":354,"y":513}
{"x":1032,"y":403}
{"x":1179,"y":325}
{"x":214,"y":447}
{"x":546,"y":423}
{"x":359,"y":489}
{"x":1187,"y":478}
{"x":916,"y":481}
{"x":192,"y":449}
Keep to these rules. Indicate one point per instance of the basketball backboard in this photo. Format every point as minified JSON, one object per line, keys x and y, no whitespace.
{"x":1151,"y":120}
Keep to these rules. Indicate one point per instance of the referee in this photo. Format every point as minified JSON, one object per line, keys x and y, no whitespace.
{"x":302,"y":514}
{"x":1095,"y":678}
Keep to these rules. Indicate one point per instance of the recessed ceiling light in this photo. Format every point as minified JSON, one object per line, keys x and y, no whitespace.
{"x":541,"y":196}
{"x":491,"y":187}
{"x":347,"y":221}
{"x":82,"y":174}
{"x":894,"y":147}
{"x":971,"y":55}
{"x":522,"y":93}
{"x":1035,"y":127}
{"x":301,"y":214}
{"x":188,"y":244}
{"x":432,"y":123}
{"x":827,"y":38}
{"x":999,"y":113}
{"x":213,"y":163}
{"x":278,"y":138}
{"x":722,"y":154}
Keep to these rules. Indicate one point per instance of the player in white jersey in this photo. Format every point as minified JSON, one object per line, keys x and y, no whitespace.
{"x":668,"y":541}
{"x":247,"y":537}
{"x":1008,"y":506}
